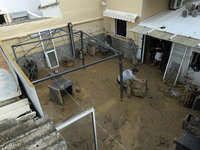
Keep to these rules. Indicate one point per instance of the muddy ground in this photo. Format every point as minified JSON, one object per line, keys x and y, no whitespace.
{"x":149,"y":123}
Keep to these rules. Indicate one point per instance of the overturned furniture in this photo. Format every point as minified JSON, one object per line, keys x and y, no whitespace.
{"x":137,"y":88}
{"x":60,"y":88}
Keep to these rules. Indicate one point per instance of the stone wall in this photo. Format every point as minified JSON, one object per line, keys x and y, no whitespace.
{"x":62,"y":51}
{"x":65,"y":50}
{"x":123,"y":47}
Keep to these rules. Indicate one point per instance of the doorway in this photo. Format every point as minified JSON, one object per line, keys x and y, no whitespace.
{"x":2,"y":19}
{"x":150,"y":51}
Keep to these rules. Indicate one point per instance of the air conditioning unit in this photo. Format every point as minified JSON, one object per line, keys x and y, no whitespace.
{"x":175,"y":4}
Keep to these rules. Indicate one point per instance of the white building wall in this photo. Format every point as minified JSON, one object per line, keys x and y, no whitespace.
{"x":50,"y":8}
{"x":47,"y":2}
{"x":21,"y":5}
{"x":53,"y":11}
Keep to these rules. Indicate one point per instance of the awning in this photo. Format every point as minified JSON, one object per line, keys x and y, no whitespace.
{"x":120,"y":15}
{"x":170,"y":25}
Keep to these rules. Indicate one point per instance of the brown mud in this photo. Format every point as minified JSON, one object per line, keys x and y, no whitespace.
{"x":149,"y":123}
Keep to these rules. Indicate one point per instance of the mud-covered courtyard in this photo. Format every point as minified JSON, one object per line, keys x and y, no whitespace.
{"x":149,"y":123}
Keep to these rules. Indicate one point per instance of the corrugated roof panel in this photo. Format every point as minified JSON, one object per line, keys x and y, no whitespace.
{"x":171,"y":23}
{"x":186,"y":41}
{"x":160,"y":19}
{"x":160,"y":34}
{"x":140,"y":29}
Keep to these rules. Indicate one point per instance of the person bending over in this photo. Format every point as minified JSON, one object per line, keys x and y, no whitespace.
{"x":127,"y":75}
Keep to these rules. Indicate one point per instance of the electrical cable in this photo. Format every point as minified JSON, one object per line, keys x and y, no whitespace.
{"x":84,"y":110}
{"x":80,"y":105}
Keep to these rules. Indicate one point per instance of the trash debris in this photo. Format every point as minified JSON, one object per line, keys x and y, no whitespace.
{"x":172,"y":93}
{"x":68,"y":61}
{"x":137,"y":88}
{"x":192,"y":125}
{"x":78,"y":89}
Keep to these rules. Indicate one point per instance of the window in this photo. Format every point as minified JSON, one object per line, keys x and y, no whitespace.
{"x":195,"y":64}
{"x":2,"y":20}
{"x":120,"y":27}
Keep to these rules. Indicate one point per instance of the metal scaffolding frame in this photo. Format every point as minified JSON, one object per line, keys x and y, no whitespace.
{"x":78,"y":117}
{"x":82,"y":36}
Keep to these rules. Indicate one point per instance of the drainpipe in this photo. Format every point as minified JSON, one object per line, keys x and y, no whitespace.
{"x":71,"y":39}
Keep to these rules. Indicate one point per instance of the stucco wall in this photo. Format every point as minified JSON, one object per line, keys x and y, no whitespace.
{"x":131,"y":6}
{"x":53,"y":11}
{"x":153,"y":7}
{"x":77,"y":10}
{"x":63,"y":50}
{"x":85,"y":15}
{"x":92,"y":28}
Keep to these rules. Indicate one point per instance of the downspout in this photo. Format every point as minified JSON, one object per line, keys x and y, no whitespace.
{"x":143,"y":48}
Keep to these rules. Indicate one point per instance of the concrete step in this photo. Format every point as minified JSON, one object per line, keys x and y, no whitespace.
{"x":24,"y":118}
{"x":21,"y":129}
{"x":29,"y":137}
{"x":58,"y":146}
{"x":45,"y":142}
{"x":10,"y":122}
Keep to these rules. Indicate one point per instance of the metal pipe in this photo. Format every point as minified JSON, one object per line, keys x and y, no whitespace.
{"x":71,"y":39}
{"x":180,"y":65}
{"x":40,"y":56}
{"x":13,"y":50}
{"x":150,"y":31}
{"x":43,"y":40}
{"x":30,"y":50}
{"x":82,"y":48}
{"x":78,"y":117}
{"x":70,"y":51}
{"x":129,"y":44}
{"x":172,"y":36}
{"x":121,"y":76}
{"x":75,"y":69}
{"x":74,"y":119}
{"x":95,"y":130}
{"x":171,"y":51}
{"x":143,"y":48}
{"x":63,"y":30}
